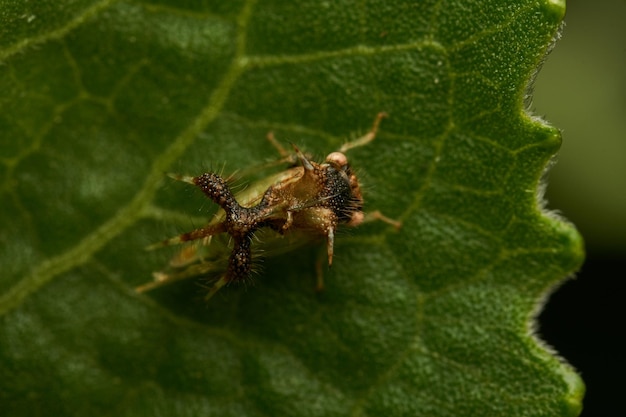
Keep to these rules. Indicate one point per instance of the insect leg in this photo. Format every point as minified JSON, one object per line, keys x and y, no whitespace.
{"x":330,"y":245}
{"x":282,"y":151}
{"x":288,"y":222}
{"x":165,"y":278}
{"x":210,"y":230}
{"x":367,"y":138}
{"x":217,"y":286}
{"x":378,"y":216}
{"x":319,"y":264}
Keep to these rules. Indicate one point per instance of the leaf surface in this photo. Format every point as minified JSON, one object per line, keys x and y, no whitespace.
{"x":102,"y":98}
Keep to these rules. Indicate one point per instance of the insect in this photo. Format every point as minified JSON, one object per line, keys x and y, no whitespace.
{"x":311,"y":198}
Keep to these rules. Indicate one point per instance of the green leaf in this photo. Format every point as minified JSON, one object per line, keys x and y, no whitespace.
{"x":100,"y":99}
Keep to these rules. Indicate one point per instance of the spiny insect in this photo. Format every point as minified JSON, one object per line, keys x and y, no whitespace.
{"x":314,"y":198}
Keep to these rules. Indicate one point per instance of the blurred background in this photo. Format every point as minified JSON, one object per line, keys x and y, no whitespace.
{"x":581,"y":89}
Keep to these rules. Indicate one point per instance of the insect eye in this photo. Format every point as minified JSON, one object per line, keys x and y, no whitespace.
{"x":337,"y":158}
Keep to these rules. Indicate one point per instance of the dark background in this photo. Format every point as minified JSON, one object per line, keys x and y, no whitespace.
{"x":582,"y":90}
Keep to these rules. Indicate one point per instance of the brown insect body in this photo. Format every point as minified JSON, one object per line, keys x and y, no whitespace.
{"x":316,"y":198}
{"x":313,"y":198}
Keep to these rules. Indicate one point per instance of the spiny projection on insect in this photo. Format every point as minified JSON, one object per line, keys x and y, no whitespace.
{"x":314,"y":198}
